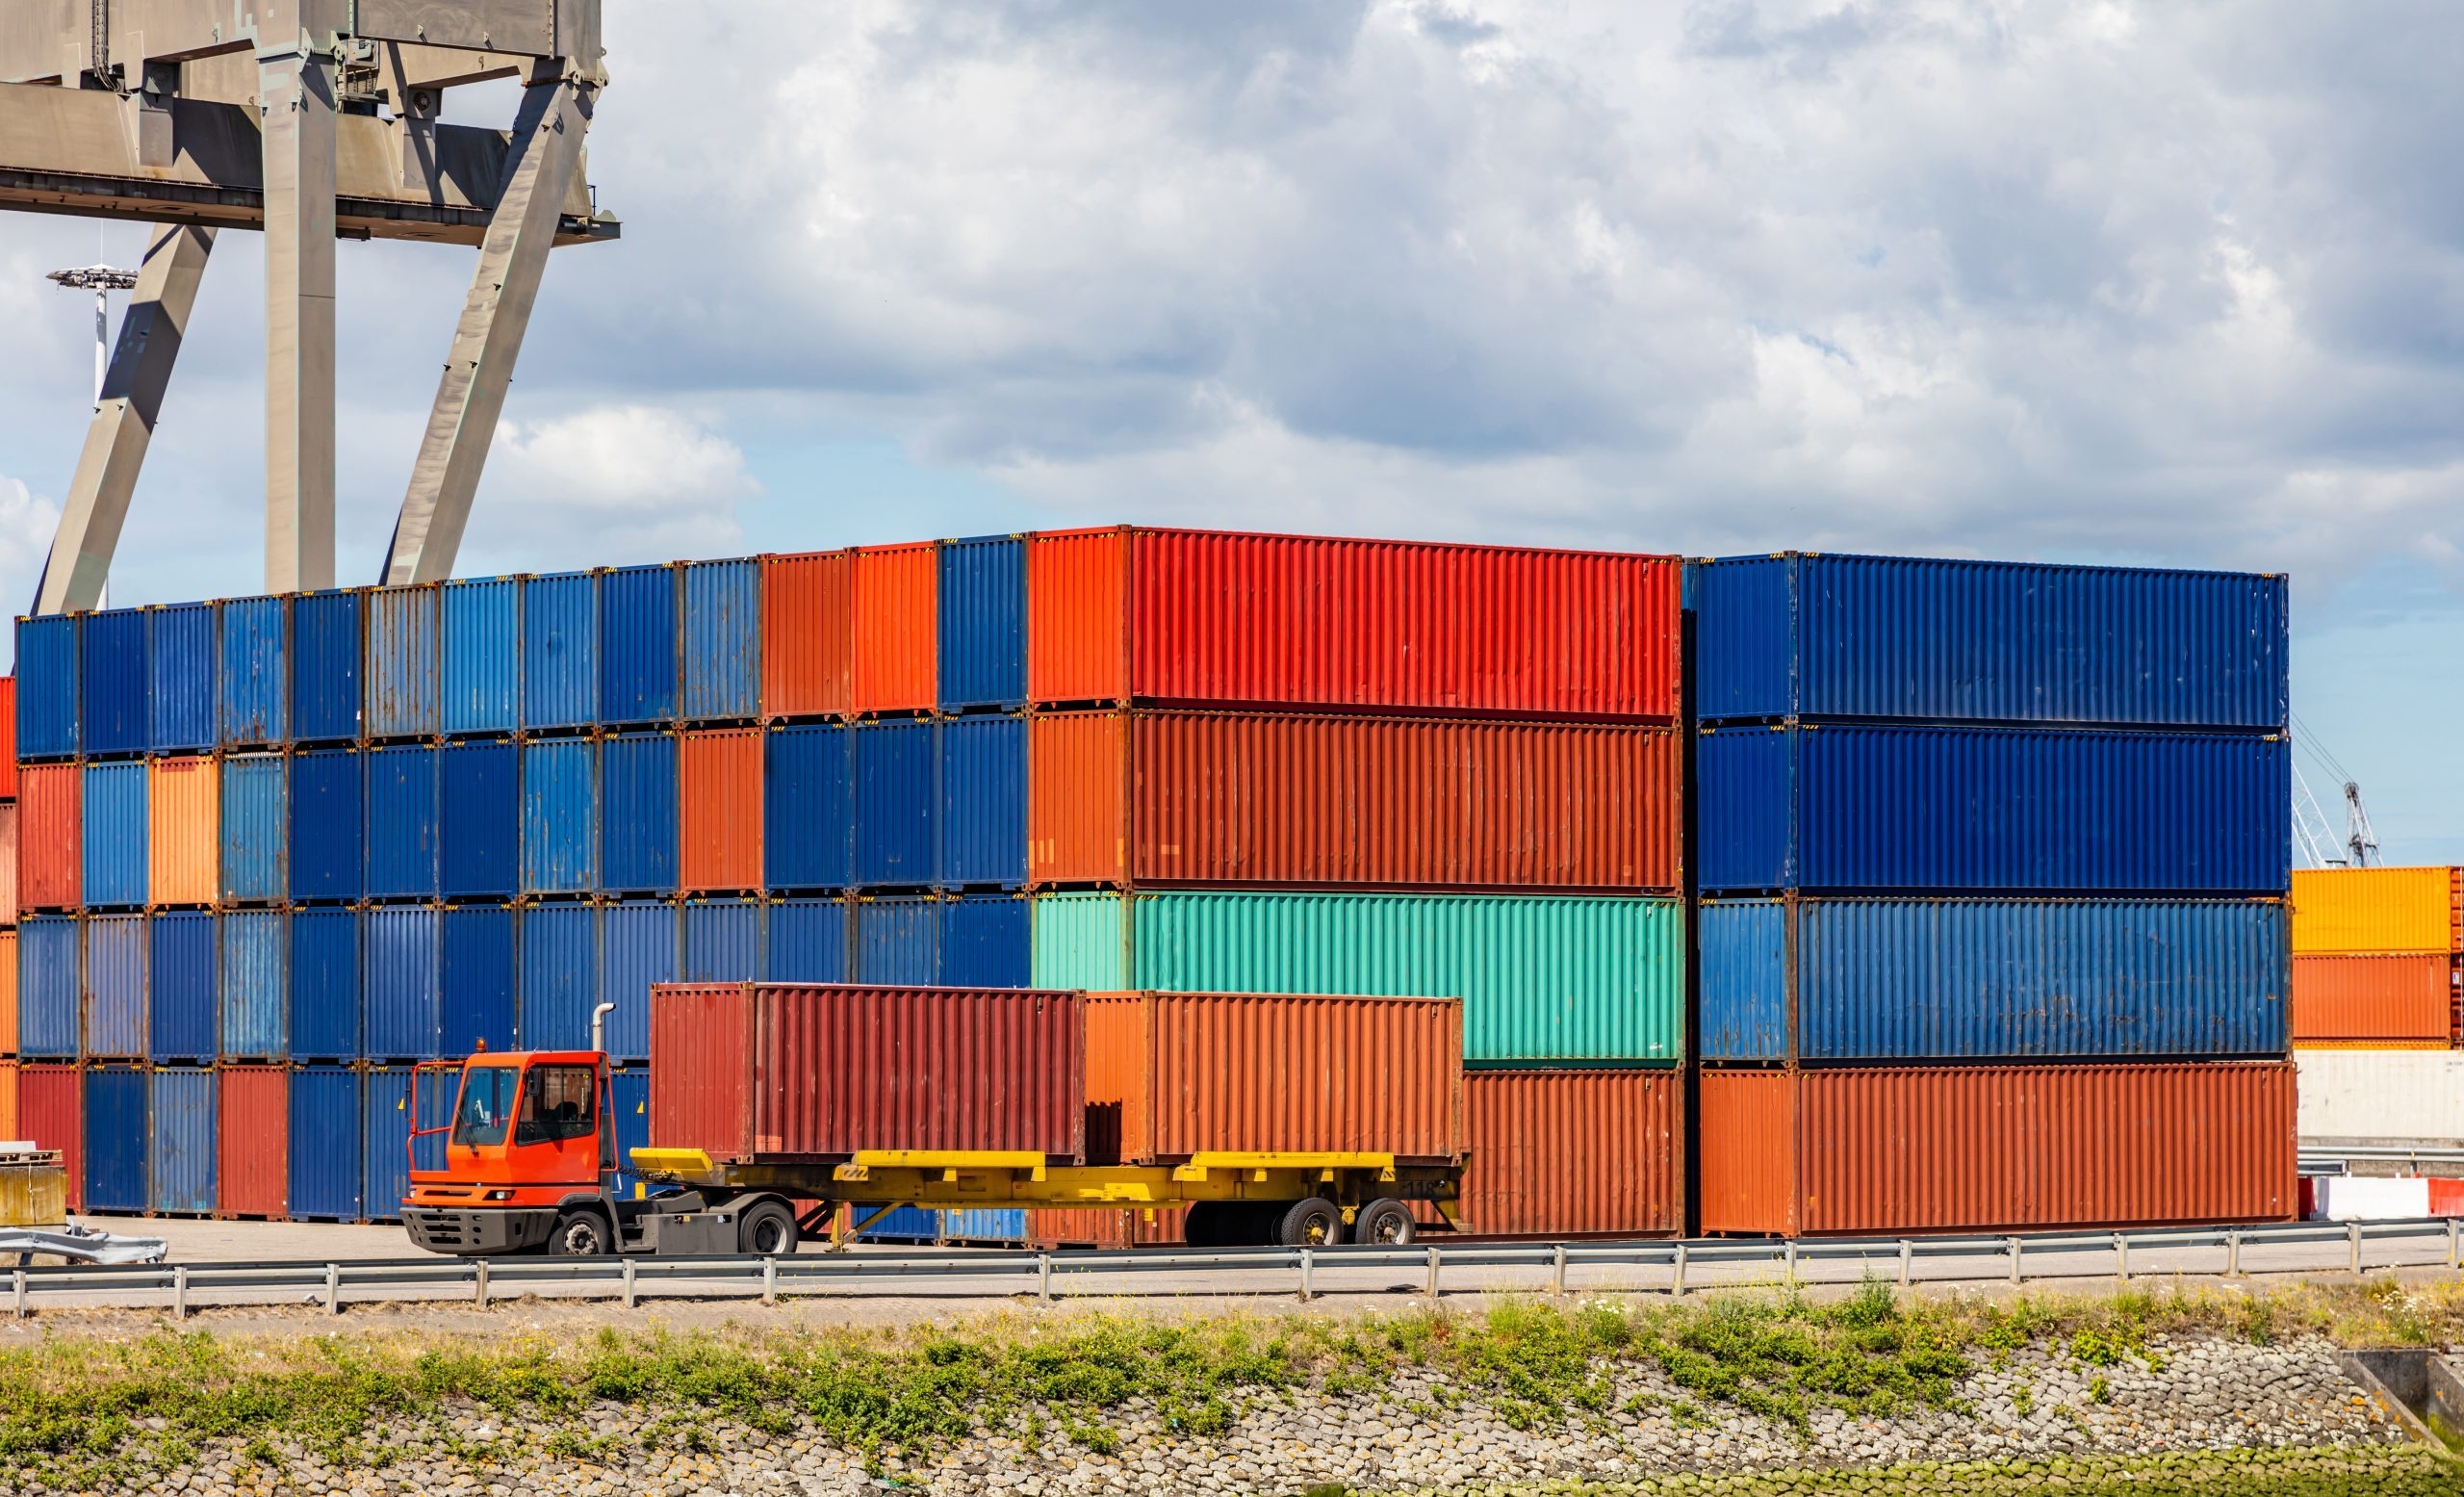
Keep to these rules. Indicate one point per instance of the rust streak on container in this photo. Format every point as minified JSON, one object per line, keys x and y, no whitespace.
{"x":807,"y":634}
{"x":2407,"y":999}
{"x":252,"y":1157}
{"x":1575,"y":1153}
{"x":183,"y":830}
{"x":48,"y":852}
{"x":721,"y":811}
{"x":897,"y":629}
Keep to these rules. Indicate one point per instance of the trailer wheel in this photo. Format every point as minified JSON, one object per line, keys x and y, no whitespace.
{"x":580,"y":1233}
{"x":1385,"y":1223}
{"x":767,"y":1231}
{"x":1314,"y":1223}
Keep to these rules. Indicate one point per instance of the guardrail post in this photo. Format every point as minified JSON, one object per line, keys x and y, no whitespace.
{"x":2353,"y":1238}
{"x":1043,"y":1277}
{"x":1433,"y":1261}
{"x":333,"y":1289}
{"x":1906,"y":1260}
{"x":180,"y":1291}
{"x":1676,"y":1275}
{"x":19,"y":1289}
{"x":1308,"y":1273}
{"x":2233,"y":1253}
{"x":2121,"y":1257}
{"x":479,"y":1283}
{"x":769,"y":1281}
{"x":628,"y":1283}
{"x":2454,"y":1248}
{"x":1789,"y":1256}
{"x":1557,"y":1270}
{"x":2015,"y":1260}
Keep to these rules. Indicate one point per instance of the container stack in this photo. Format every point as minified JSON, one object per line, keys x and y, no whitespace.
{"x":2377,"y":961}
{"x":1992,"y":927}
{"x":9,"y":1062}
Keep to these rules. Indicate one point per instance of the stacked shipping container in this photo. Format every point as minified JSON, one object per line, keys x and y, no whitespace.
{"x":2377,"y":961}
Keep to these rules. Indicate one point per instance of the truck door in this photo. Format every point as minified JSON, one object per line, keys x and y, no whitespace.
{"x":560,"y":1121}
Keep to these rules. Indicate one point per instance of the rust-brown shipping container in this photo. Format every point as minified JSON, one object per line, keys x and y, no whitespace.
{"x":808,"y":627}
{"x":2407,"y":1001}
{"x":818,"y":1070}
{"x":1155,"y":799}
{"x":8,"y":737}
{"x":1574,"y":1153}
{"x":51,"y":1113}
{"x":9,"y":1100}
{"x":1109,"y":1229}
{"x":1172,"y":1074}
{"x":897,"y":629}
{"x":184,"y":831}
{"x":9,"y":863}
{"x":721,"y":812}
{"x":1915,"y":1150}
{"x":48,"y":847}
{"x":252,"y":1147}
{"x":8,"y":997}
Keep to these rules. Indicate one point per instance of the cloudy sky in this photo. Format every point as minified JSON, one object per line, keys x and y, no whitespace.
{"x":2175,"y":283}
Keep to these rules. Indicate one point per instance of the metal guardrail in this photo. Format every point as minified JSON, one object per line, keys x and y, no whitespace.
{"x":1670,"y":1266}
{"x":2339,"y":1159}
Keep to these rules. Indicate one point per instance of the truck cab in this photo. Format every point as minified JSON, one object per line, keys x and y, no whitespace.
{"x":529,"y":1158}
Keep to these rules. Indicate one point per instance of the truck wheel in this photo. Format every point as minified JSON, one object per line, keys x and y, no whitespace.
{"x":580,"y":1233}
{"x":1385,"y":1223}
{"x":1314,"y":1223}
{"x":768,"y":1231}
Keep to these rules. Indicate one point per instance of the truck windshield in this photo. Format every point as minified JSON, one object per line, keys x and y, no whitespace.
{"x":487,"y":1104}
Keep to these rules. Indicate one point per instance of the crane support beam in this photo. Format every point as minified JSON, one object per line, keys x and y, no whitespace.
{"x":544,"y":161}
{"x":123,"y":424}
{"x":62,"y":39}
{"x":297,"y":87}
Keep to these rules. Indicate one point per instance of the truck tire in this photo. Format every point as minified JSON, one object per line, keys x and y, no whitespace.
{"x":1385,"y":1223}
{"x":580,"y":1234}
{"x":768,"y":1231}
{"x":1314,"y":1223}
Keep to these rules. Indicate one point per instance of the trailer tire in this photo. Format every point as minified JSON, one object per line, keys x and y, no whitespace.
{"x":1314,"y":1223}
{"x":767,"y":1231}
{"x":580,"y":1234}
{"x":1385,"y":1223}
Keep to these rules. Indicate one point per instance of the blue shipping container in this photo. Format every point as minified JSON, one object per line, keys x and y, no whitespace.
{"x":958,"y":1224}
{"x":400,"y":984}
{"x":629,"y":1097}
{"x":115,"y":1139}
{"x":897,"y":941}
{"x":984,"y":623}
{"x":807,"y":941}
{"x":983,"y":813}
{"x":179,"y":663}
{"x":638,"y":949}
{"x":325,"y":666}
{"x":256,"y":983}
{"x":404,"y":824}
{"x":560,"y":816}
{"x":46,"y":671}
{"x":402,"y":673}
{"x":182,"y":968}
{"x":180,"y":1128}
{"x":252,"y":686}
{"x":111,"y":696}
{"x":326,"y":1018}
{"x":722,"y":639}
{"x":559,"y":945}
{"x":478,"y":978}
{"x":482,"y":655}
{"x":1977,"y":979}
{"x":386,"y":1135}
{"x":560,"y":650}
{"x":639,"y":821}
{"x":1873,"y":809}
{"x":722,"y":942}
{"x":328,"y":800}
{"x":256,"y":829}
{"x":1908,"y":637}
{"x":326,"y":1118}
{"x":805,"y":807}
{"x":114,"y":982}
{"x":986,"y":941}
{"x":482,"y":820}
{"x":49,"y":1009}
{"x":113,"y":830}
{"x":894,"y":821}
{"x":637,"y":645}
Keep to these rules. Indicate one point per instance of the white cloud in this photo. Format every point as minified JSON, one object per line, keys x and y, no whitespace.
{"x":27,"y":523}
{"x":609,"y":484}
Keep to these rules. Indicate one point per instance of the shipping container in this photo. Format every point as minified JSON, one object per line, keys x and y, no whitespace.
{"x":325,"y":665}
{"x":8,"y":737}
{"x":806,"y":801}
{"x":179,"y":689}
{"x":2377,"y":910}
{"x":326,"y":1151}
{"x":1574,"y":1153}
{"x":386,"y":1139}
{"x":327,"y":803}
{"x":806,"y":941}
{"x":112,"y":824}
{"x":255,"y":961}
{"x":180,"y":1125}
{"x":722,"y":942}
{"x":184,"y":835}
{"x":629,"y":1102}
{"x":1542,"y":978}
{"x":1986,"y":979}
{"x":7,"y":862}
{"x":983,"y":642}
{"x":9,"y":1100}
{"x":1798,"y":636}
{"x":808,"y":620}
{"x":252,"y":685}
{"x":985,"y":1226}
{"x":637,"y":642}
{"x":111,"y":693}
{"x":46,"y":678}
{"x":981,"y":814}
{"x":2394,"y":1098}
{"x":893,"y":804}
{"x":896,"y":667}
{"x":722,"y":640}
{"x":182,"y":979}
{"x":481,"y":801}
{"x":1911,"y":1150}
{"x":898,"y":941}
{"x":327,"y":1019}
{"x":638,"y":814}
{"x":482,"y":671}
{"x":559,"y":960}
{"x":9,"y":993}
{"x":2408,"y":998}
{"x":848,"y":1068}
{"x":49,"y":1006}
{"x":479,"y":977}
{"x":984,"y":941}
{"x":1173,"y":1075}
{"x":404,"y":824}
{"x":113,"y":975}
{"x":402,"y":673}
{"x":1160,"y":798}
{"x":115,"y":1151}
{"x":560,"y":816}
{"x":560,"y":650}
{"x":50,"y":860}
{"x":401,"y":981}
{"x":638,"y":951}
{"x":721,"y":809}
{"x":51,"y":1113}
{"x":1874,"y":809}
{"x":1202,"y":618}
{"x":252,"y":1155}
{"x":255,"y":804}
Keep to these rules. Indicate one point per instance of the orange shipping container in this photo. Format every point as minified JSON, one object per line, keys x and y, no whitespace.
{"x":47,"y":842}
{"x":9,"y":1100}
{"x":2345,"y":910}
{"x":1158,"y":798}
{"x":8,"y":737}
{"x":1916,"y":1149}
{"x":9,"y":863}
{"x":807,"y":634}
{"x":252,"y":1151}
{"x":183,"y":827}
{"x":2407,"y":1001}
{"x":1558,"y":1153}
{"x":722,"y":810}
{"x":1172,"y":1074}
{"x":1141,"y":1227}
{"x":897,"y":630}
{"x":8,"y":997}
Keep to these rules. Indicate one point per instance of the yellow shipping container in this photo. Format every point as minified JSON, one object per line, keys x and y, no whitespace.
{"x":183,"y":806}
{"x":2377,"y":910}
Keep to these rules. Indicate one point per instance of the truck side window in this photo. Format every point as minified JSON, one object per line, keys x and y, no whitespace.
{"x":486,"y":1106}
{"x":559,"y":1102}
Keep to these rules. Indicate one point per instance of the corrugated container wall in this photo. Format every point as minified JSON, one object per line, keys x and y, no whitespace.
{"x":721,"y":838}
{"x":403,"y":671}
{"x":253,"y":1163}
{"x":326,"y":1121}
{"x":980,"y":818}
{"x":2403,"y":999}
{"x":325,"y":666}
{"x":479,"y":976}
{"x":50,"y":1007}
{"x":806,"y":803}
{"x":898,"y":941}
{"x":401,"y":959}
{"x":895,"y":653}
{"x":1560,"y":1154}
{"x":560,"y":650}
{"x":983,"y":637}
{"x":721,"y":941}
{"x":255,"y":987}
{"x":182,"y":981}
{"x":806,"y":941}
{"x":2365,"y":910}
{"x":1833,"y":636}
{"x":482,"y":817}
{"x":46,"y":676}
{"x":560,"y":816}
{"x":894,"y":817}
{"x":114,"y":825}
{"x":483,"y":655}
{"x":8,"y":737}
{"x":7,"y":862}
{"x":558,"y":947}
{"x":10,"y":985}
{"x":638,"y":813}
{"x":113,"y":976}
{"x":2378,"y":1098}
{"x":638,"y":951}
{"x":808,"y":605}
{"x":179,"y":663}
{"x":722,"y":640}
{"x":385,"y":1142}
{"x":51,"y":1113}
{"x":179,"y":1155}
{"x":327,"y":1015}
{"x":255,"y":864}
{"x":403,"y":825}
{"x":252,"y":688}
{"x":984,"y":941}
{"x":114,"y":1153}
{"x":184,"y":835}
{"x":326,"y":805}
{"x":1194,"y":617}
{"x":111,"y":692}
{"x":637,"y":644}
{"x":50,"y":860}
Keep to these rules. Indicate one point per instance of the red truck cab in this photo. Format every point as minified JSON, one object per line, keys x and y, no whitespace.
{"x":529,"y":1159}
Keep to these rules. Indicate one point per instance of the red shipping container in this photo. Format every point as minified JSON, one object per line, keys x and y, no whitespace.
{"x":51,"y":1113}
{"x":752,"y":1071}
{"x":252,"y":1151}
{"x":8,"y":737}
{"x":48,"y":847}
{"x":2407,"y":1001}
{"x":1172,"y":1074}
{"x":1887,"y":1151}
{"x":1211,"y":618}
{"x":721,"y":836}
{"x":1108,"y":1229}
{"x":9,"y":863}
{"x":1159,"y":798}
{"x":898,"y":628}
{"x":1563,"y":1153}
{"x":807,"y":634}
